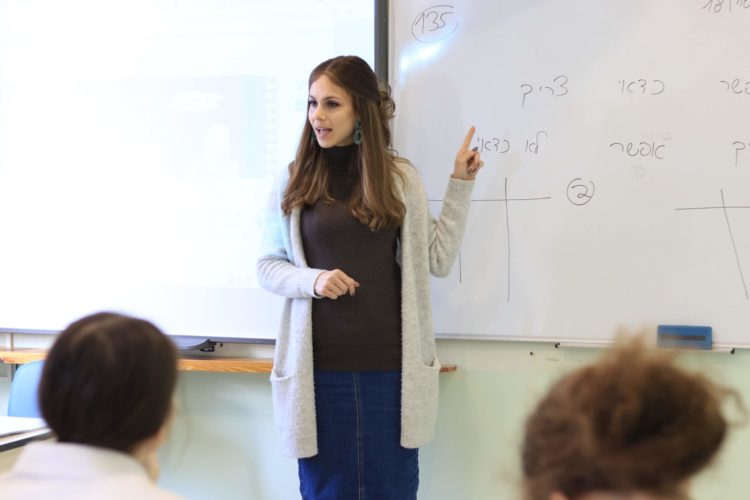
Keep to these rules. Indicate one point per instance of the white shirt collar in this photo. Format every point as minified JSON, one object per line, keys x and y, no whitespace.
{"x":67,"y":460}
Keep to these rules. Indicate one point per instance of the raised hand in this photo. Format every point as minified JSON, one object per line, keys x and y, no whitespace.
{"x":467,"y":162}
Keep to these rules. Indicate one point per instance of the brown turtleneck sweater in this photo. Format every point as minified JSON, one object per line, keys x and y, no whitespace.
{"x":363,"y":332}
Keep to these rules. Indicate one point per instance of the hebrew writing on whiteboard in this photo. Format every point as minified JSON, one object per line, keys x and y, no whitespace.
{"x":616,"y":137}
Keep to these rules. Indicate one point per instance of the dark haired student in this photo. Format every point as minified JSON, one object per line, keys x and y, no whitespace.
{"x":350,"y":243}
{"x":107,"y":394}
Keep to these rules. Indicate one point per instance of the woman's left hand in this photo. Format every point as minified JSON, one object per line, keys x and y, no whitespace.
{"x":467,"y":162}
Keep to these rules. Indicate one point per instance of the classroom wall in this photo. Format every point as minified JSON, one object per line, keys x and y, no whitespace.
{"x":224,"y":447}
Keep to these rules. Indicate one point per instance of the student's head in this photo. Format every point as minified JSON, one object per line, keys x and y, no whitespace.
{"x":343,"y":96}
{"x":108,"y":381}
{"x":632,"y":426}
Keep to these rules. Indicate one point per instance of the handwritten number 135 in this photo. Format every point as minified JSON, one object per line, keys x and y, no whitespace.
{"x":436,"y":20}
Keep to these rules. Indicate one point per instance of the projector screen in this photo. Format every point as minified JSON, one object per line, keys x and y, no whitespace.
{"x":138,"y":141}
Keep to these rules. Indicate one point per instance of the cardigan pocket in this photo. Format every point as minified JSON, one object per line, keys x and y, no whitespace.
{"x":434,"y":365}
{"x":423,"y":378}
{"x":419,"y":403}
{"x":276,"y":377}
{"x":285,"y":391}
{"x":294,"y":413}
{"x":283,"y":388}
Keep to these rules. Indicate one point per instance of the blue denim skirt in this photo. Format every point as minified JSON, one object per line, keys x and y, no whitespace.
{"x":359,"y":456}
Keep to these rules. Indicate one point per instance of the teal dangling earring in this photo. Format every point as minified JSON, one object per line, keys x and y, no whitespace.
{"x":357,"y":132}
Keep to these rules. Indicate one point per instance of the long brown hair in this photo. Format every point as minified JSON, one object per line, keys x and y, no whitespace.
{"x":375,"y":201}
{"x":633,"y":422}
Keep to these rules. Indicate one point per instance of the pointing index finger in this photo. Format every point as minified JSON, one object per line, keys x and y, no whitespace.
{"x":469,"y":137}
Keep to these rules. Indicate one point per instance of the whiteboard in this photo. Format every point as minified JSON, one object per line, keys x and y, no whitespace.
{"x":616,"y":142}
{"x":138,"y":143}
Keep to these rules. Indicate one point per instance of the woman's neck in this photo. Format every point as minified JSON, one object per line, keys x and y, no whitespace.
{"x":340,"y":158}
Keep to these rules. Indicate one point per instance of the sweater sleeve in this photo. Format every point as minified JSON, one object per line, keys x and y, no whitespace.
{"x":276,"y":270}
{"x":445,"y":234}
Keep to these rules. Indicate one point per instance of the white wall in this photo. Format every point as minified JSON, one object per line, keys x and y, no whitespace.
{"x":224,"y":444}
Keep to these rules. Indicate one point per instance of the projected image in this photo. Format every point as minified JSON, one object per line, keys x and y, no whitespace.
{"x":169,"y":161}
{"x":137,"y":153}
{"x":188,"y":127}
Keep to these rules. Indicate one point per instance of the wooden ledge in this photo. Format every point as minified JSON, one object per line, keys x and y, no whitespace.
{"x":21,"y":356}
{"x":192,"y":362}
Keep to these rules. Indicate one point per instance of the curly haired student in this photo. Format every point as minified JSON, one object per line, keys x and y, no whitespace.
{"x":633,"y":426}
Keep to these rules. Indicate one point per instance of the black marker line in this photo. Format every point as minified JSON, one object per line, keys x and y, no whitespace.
{"x":514,"y":199}
{"x":505,"y":200}
{"x":507,"y":229}
{"x":711,"y":208}
{"x":459,"y":266}
{"x":734,"y":246}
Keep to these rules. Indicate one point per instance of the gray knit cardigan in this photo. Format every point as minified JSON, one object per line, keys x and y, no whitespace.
{"x":425,"y":246}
